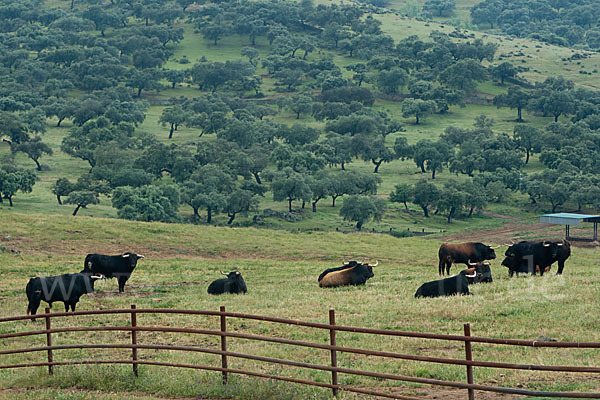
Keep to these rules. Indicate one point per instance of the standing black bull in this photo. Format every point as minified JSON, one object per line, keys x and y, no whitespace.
{"x":234,"y":283}
{"x":120,"y":266}
{"x":463,"y":253}
{"x":351,"y":273}
{"x":478,"y":272}
{"x":457,"y":284}
{"x":67,"y":288}
{"x":529,"y":256}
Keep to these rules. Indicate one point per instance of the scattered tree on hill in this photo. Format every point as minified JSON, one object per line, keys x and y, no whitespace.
{"x":34,"y":148}
{"x":15,"y":181}
{"x":362,"y":209}
{"x":425,"y":194}
{"x":401,"y":194}
{"x":417,"y":107}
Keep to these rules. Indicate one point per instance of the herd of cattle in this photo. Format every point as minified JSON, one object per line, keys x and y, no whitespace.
{"x":523,"y":257}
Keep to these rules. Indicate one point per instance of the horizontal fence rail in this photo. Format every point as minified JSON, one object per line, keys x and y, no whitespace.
{"x":333,"y":348}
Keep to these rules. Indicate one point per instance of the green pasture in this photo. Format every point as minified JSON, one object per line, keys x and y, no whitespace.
{"x":280,"y":269}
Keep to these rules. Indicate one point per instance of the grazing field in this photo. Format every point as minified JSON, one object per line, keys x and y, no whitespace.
{"x":280,"y":269}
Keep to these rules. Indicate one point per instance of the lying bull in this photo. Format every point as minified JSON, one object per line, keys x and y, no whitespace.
{"x":457,"y":284}
{"x":531,"y":257}
{"x":120,"y":266}
{"x":463,"y":253}
{"x":234,"y":283}
{"x":478,"y":272}
{"x":67,"y":288}
{"x":351,"y":273}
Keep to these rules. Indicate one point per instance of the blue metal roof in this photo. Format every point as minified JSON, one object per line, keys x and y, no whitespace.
{"x":568,"y":218}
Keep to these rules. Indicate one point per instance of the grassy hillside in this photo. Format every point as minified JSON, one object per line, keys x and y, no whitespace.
{"x":280,"y":270}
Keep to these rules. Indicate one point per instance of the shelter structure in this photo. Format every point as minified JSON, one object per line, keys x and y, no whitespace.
{"x":569,"y":219}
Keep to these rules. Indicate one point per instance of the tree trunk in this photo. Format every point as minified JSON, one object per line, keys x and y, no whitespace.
{"x":405,"y":206}
{"x":303,"y":204}
{"x":208,"y":215}
{"x":333,"y":203}
{"x":257,"y":178}
{"x":72,"y":4}
{"x":422,"y":167}
{"x":231,"y":217}
{"x":290,"y":205}
{"x":39,"y":167}
{"x":76,"y":209}
{"x":519,"y":112}
{"x":433,"y":173}
{"x":359,"y":225}
{"x":57,"y":198}
{"x":556,"y":117}
{"x":425,"y":211}
{"x":527,"y":158}
{"x":451,"y":214}
{"x":196,"y":214}
{"x":60,"y":120}
{"x":171,"y":131}
{"x":298,"y":115}
{"x":139,"y":92}
{"x":471,"y":211}
{"x":377,"y":165}
{"x":417,"y":117}
{"x":314,"y":205}
{"x":343,"y":166}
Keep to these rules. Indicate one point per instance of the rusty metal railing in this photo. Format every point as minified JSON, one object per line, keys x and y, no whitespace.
{"x":331,"y":328}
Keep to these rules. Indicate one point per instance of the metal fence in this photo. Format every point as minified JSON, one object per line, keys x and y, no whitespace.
{"x":332,"y":348}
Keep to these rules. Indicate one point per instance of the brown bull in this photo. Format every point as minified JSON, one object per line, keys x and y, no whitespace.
{"x":352,"y":273}
{"x":463,"y":253}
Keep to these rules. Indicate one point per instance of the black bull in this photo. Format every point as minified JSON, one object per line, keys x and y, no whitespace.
{"x":67,"y":288}
{"x":463,"y":253}
{"x":530,"y":256}
{"x":478,"y":272}
{"x":457,"y":284}
{"x":120,"y":266}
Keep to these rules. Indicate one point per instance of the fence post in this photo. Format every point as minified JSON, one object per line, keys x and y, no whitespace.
{"x":49,"y":341}
{"x":223,"y":345}
{"x":469,"y":357}
{"x":134,"y":340}
{"x":332,"y":331}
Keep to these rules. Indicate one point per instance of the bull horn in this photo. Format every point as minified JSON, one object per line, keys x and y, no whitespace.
{"x":495,"y":247}
{"x":487,"y":263}
{"x":125,"y":255}
{"x":140,"y":256}
{"x":545,"y":244}
{"x":470,"y":263}
{"x":471,"y":276}
{"x":374,"y":265}
{"x":223,"y":273}
{"x":559,"y":244}
{"x":97,"y":276}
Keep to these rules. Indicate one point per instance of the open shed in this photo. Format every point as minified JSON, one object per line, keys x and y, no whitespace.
{"x":569,"y":219}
